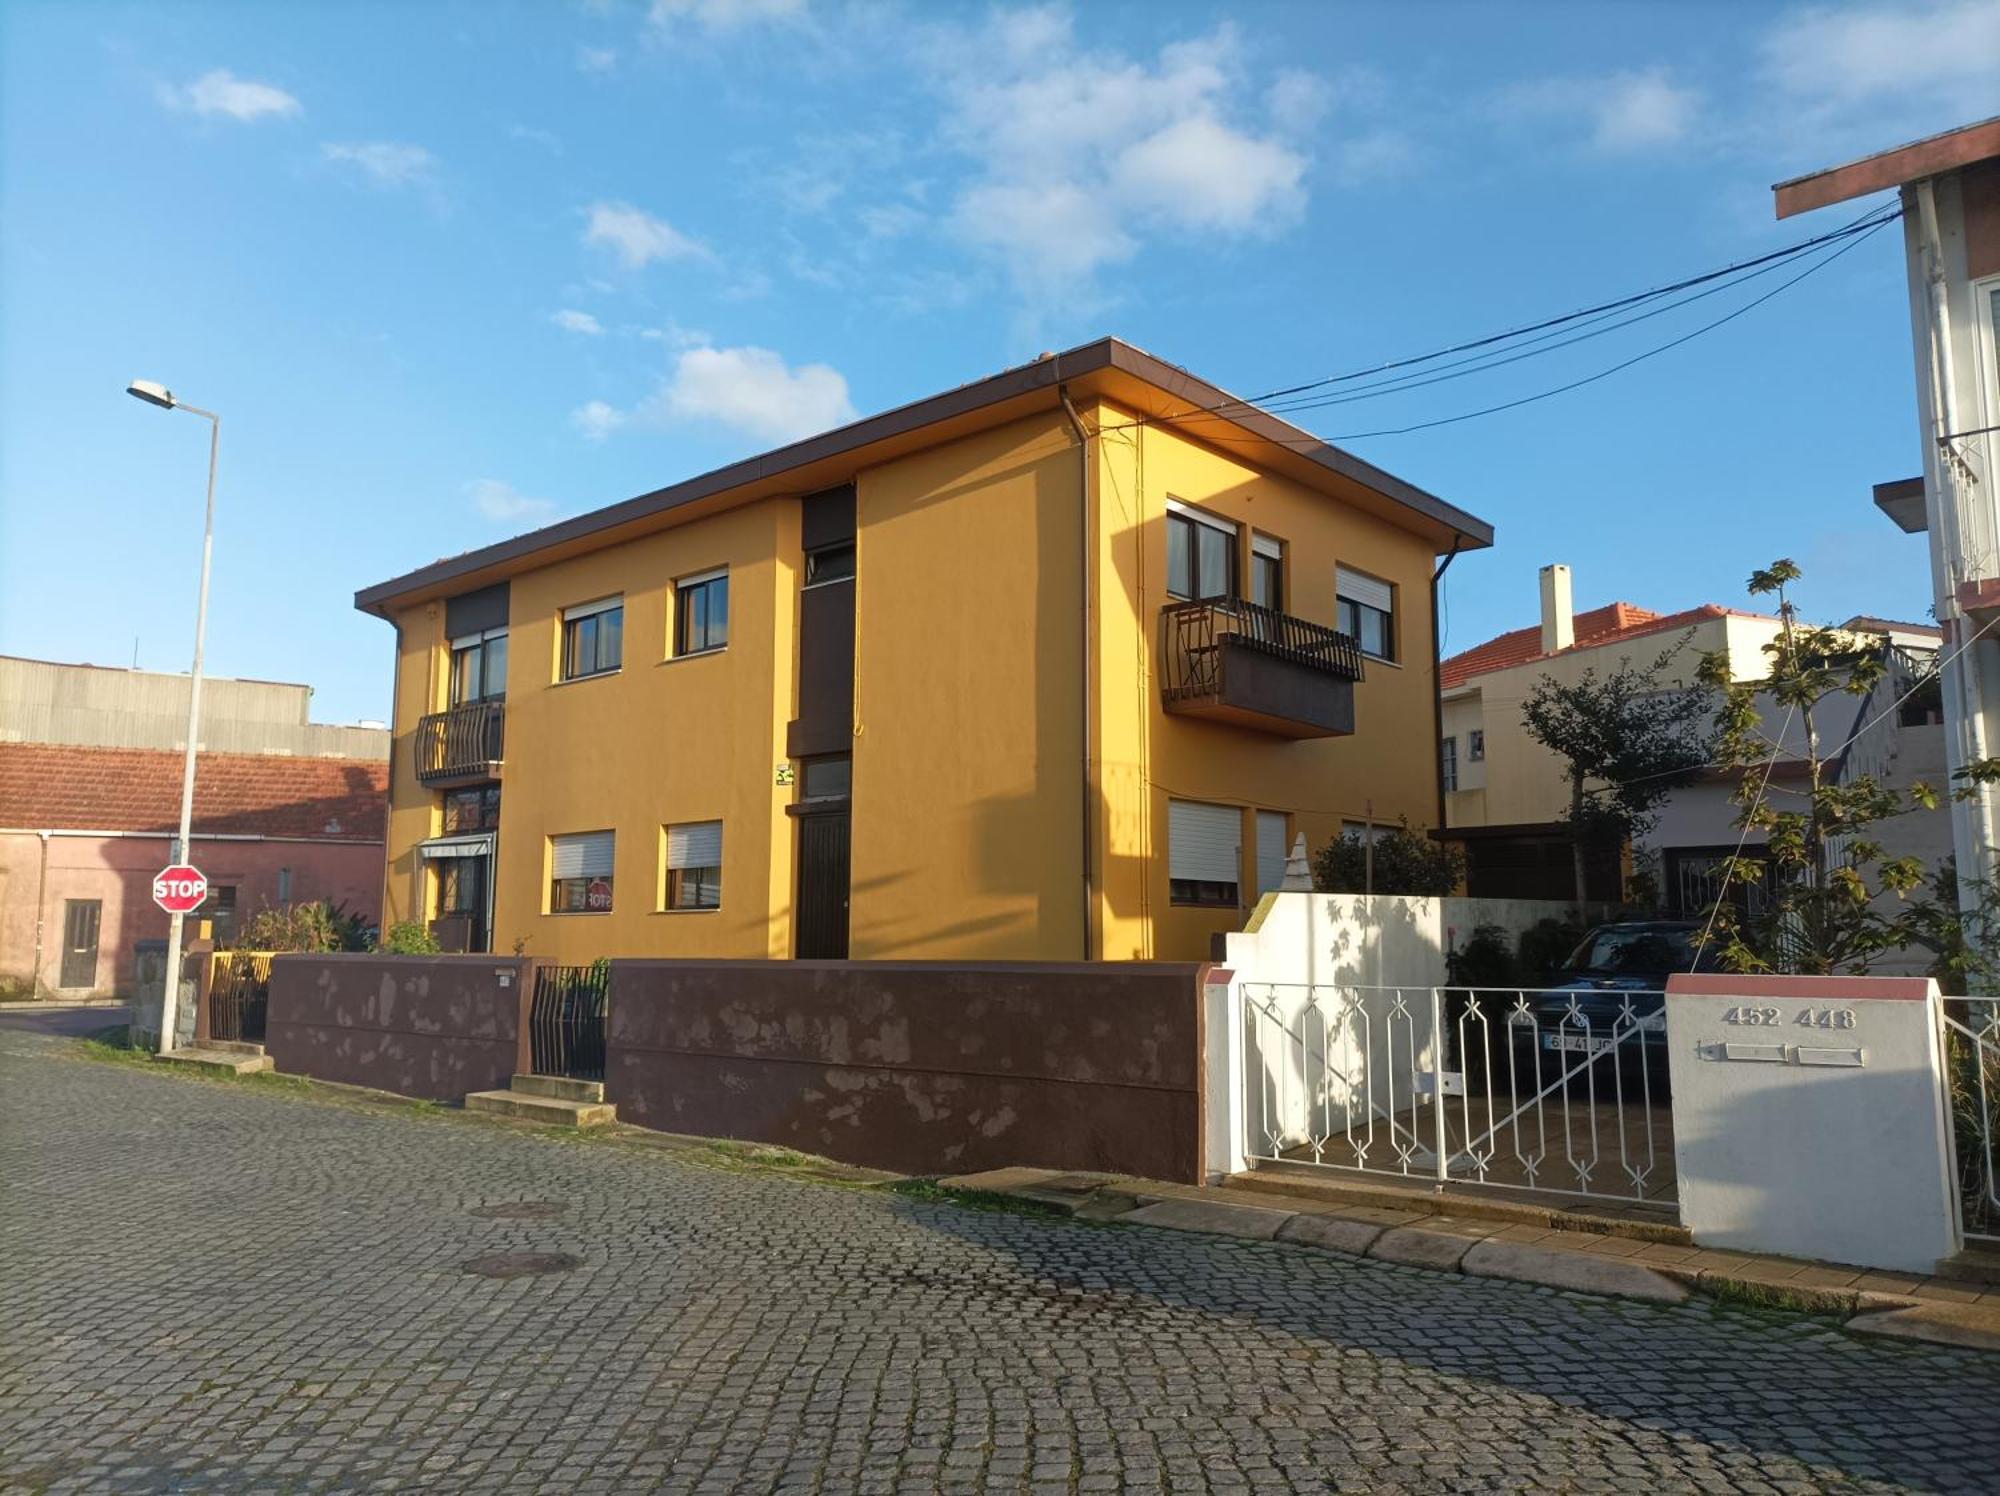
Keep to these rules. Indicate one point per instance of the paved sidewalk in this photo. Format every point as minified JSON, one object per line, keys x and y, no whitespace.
{"x":1626,"y":1259}
{"x":255,"y":1286}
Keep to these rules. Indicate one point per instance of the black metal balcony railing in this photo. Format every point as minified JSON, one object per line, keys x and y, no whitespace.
{"x":465,"y":742}
{"x":1257,"y":668}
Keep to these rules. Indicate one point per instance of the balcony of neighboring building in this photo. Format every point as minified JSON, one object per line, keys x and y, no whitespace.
{"x":1253,"y":667}
{"x":462,"y":745}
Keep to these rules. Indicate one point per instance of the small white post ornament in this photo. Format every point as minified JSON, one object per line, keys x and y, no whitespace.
{"x":1298,"y":870}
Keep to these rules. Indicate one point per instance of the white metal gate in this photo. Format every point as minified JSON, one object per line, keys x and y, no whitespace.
{"x":1972,"y":1074}
{"x":1561,"y":1091}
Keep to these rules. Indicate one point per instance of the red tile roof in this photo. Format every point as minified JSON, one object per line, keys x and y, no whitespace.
{"x":55,"y":786}
{"x":1607,"y":625}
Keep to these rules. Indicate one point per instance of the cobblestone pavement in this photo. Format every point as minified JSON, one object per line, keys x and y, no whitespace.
{"x":226,"y":1288}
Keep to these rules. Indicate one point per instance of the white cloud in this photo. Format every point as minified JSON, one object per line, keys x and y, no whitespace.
{"x":1868,"y":52}
{"x":890,"y":220}
{"x":724,"y":15}
{"x":384,"y":162}
{"x":750,"y":390}
{"x":1373,"y":156}
{"x":499,"y":502}
{"x":1082,"y":152}
{"x":1624,"y":112}
{"x":596,"y":59}
{"x":756,"y":392}
{"x":574,"y":321}
{"x":1297,"y":100}
{"x":221,"y":92}
{"x":596,"y":420}
{"x":637,"y":237}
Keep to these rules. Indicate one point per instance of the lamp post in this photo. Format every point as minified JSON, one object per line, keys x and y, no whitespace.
{"x":158,"y":394}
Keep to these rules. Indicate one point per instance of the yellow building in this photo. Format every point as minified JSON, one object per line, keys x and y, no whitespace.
{"x":1050,"y":666}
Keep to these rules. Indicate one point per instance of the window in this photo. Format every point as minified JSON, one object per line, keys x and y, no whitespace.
{"x":593,"y":638}
{"x":694,"y":866}
{"x":701,"y":617}
{"x":831,"y":563}
{"x":1367,"y":612}
{"x":1271,"y":849}
{"x":1363,"y":831}
{"x":1475,"y":745}
{"x":220,"y":907}
{"x":479,"y":667}
{"x":1267,"y":572}
{"x":1201,"y":557}
{"x":462,"y":886}
{"x":1448,"y":765}
{"x":580,"y":873}
{"x":827,"y":778}
{"x":284,"y":886}
{"x":472,"y":810}
{"x":1204,"y":853}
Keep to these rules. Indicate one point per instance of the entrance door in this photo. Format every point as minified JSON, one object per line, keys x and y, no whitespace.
{"x":823,"y":874}
{"x":79,"y":959}
{"x":462,"y":899}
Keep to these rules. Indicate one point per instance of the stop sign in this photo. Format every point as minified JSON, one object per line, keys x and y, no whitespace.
{"x":180,"y":889}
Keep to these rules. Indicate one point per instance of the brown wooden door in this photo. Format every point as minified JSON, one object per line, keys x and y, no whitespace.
{"x":821,"y":932}
{"x":81,"y":918}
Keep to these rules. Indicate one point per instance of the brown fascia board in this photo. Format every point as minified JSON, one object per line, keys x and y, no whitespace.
{"x":1107,"y":367}
{"x":1892,"y":168}
{"x":1903,"y":501}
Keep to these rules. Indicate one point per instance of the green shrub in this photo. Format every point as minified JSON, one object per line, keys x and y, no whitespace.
{"x":1485,"y":960}
{"x":1545,"y":949}
{"x":321,"y":926}
{"x":407,"y":937}
{"x":1405,"y":861}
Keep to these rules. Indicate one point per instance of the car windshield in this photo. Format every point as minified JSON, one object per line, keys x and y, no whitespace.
{"x":1617,"y":953}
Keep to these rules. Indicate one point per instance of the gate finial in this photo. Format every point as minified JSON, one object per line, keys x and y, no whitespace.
{"x":1298,"y":870}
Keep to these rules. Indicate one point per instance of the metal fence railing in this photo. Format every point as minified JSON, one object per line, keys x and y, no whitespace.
{"x":1192,"y":636}
{"x":566,"y":1020}
{"x":239,"y":994}
{"x":1972,"y":1072}
{"x":1562,"y":1091}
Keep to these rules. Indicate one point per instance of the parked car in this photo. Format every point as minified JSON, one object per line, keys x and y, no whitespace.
{"x":1609,"y":1009}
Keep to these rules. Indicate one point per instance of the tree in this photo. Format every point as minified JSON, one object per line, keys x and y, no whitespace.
{"x":1826,"y":871}
{"x":1627,"y":743}
{"x":408,"y":937}
{"x":1404,"y":861}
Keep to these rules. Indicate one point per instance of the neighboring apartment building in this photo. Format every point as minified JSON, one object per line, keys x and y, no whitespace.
{"x":1949,"y":186}
{"x":287,"y":810}
{"x":83,"y":831}
{"x":1052,"y":665}
{"x":1506,"y":795}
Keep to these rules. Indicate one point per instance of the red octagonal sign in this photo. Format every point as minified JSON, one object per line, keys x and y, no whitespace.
{"x":180,"y":889}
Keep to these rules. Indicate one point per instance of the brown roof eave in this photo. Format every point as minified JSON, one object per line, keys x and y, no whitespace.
{"x":1028,"y":387}
{"x":1928,"y":157}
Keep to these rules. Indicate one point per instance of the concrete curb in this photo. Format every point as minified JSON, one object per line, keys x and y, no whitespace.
{"x":1446,"y":1244}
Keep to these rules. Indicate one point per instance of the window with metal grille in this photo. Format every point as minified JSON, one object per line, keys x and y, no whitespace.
{"x":1204,"y":853}
{"x":701,"y":613}
{"x":593,"y":638}
{"x":580,"y":869}
{"x":693,"y":866}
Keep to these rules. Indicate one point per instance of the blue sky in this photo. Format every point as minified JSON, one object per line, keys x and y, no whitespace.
{"x":451,"y":270}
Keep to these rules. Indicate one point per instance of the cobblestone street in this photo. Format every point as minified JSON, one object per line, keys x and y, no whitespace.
{"x":231,"y":1287}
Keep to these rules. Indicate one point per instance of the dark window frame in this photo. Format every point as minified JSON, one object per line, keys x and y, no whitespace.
{"x":586,"y":633}
{"x":1354,"y":615}
{"x":486,"y":816}
{"x":1205,"y":893}
{"x":696,"y":629}
{"x":828,"y":564}
{"x":1272,"y":567}
{"x":1197,"y":589}
{"x":1475,"y":745}
{"x":481,"y":645}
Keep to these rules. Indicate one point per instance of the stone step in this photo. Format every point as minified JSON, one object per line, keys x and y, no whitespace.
{"x":561,"y":1087}
{"x":211,"y":1058}
{"x":232,"y":1046}
{"x":1978,"y":1263}
{"x":551,"y":1111}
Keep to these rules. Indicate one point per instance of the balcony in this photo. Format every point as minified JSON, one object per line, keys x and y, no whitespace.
{"x":1257,"y":668}
{"x":463,"y":745}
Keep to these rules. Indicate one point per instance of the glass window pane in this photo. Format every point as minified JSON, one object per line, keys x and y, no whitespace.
{"x":610,"y":638}
{"x":1180,"y":556}
{"x":1212,"y":568}
{"x":828,"y":776}
{"x":495,"y":668}
{"x":464,"y":675}
{"x":1264,"y":576}
{"x":718,"y":612}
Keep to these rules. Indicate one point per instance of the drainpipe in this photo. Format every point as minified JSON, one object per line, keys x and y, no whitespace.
{"x":41,"y":916}
{"x":1083,"y":537}
{"x":395,"y":704}
{"x":1437,"y":681}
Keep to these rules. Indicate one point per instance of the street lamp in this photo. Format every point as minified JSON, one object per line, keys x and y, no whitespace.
{"x":158,"y":394}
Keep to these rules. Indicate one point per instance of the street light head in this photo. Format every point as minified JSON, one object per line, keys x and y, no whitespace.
{"x":152,"y":393}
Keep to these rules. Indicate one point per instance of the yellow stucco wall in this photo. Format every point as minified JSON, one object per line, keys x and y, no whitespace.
{"x":1147,"y":756}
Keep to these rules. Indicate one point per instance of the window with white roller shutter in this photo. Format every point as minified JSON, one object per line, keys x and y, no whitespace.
{"x":1367,"y":612}
{"x":1204,"y":853}
{"x":580,"y":869}
{"x":1271,"y":849}
{"x":693,"y":866}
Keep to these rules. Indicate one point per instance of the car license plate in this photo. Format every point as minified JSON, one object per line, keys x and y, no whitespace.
{"x":1576,"y":1044}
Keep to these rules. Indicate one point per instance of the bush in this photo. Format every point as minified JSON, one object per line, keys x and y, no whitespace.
{"x":318,"y":927}
{"x":1485,"y":960}
{"x":408,"y":937}
{"x":1546,"y":947}
{"x":1406,"y":861}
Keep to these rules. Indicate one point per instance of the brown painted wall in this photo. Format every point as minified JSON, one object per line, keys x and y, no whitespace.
{"x":923,"y":1067}
{"x":429,"y":1026}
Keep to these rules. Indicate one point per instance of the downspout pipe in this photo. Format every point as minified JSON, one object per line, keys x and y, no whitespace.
{"x":1088,"y":818}
{"x":1437,"y":679}
{"x":41,"y":915}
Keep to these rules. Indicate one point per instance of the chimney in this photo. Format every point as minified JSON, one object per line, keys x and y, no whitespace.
{"x":1558,"y":610}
